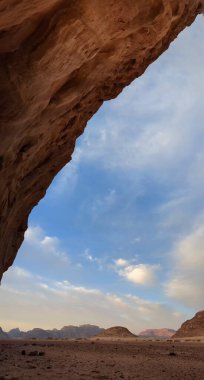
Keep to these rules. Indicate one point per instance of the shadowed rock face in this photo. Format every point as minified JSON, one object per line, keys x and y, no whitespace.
{"x":193,"y":327}
{"x":3,"y":335}
{"x":59,"y":61}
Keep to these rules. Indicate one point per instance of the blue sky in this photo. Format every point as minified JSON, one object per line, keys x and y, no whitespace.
{"x":119,"y":236}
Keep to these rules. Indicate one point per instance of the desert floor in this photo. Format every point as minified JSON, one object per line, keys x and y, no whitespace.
{"x":110,"y":359}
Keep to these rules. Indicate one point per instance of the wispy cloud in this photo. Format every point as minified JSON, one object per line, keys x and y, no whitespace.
{"x":186,"y":283}
{"x":147,"y":130}
{"x":93,"y":259}
{"x":103,"y":204}
{"x":47,"y":246}
{"x":43,"y":253}
{"x":71,"y":304}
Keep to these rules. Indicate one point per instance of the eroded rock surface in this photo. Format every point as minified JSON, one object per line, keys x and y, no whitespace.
{"x":59,"y":61}
{"x":193,"y":327}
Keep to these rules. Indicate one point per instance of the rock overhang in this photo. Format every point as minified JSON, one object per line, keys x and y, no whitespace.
{"x":59,"y":61}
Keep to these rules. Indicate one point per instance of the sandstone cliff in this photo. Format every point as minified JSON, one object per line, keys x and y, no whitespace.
{"x":193,"y":327}
{"x":59,"y":61}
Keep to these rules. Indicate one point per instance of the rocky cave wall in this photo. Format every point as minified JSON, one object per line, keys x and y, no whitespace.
{"x":59,"y":60}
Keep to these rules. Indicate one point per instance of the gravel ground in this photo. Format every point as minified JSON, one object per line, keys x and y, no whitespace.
{"x":93,"y":359}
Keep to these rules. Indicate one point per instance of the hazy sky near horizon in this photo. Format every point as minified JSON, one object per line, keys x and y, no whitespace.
{"x":119,"y":237}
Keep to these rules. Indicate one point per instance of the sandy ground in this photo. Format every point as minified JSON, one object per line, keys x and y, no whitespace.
{"x":101,"y":360}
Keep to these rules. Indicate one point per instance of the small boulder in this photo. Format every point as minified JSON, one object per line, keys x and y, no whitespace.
{"x":33,"y":353}
{"x":41,"y":353}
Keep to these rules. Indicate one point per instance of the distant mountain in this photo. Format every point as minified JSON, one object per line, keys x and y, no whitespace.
{"x":116,"y":332}
{"x":193,"y":327}
{"x":83,"y":331}
{"x":15,"y":333}
{"x":38,"y":333}
{"x":66,"y":332}
{"x":157,"y":333}
{"x":3,"y":334}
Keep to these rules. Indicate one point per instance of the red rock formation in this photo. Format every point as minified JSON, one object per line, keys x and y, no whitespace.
{"x":157,"y":333}
{"x":193,"y":327}
{"x":116,"y":332}
{"x":59,"y":61}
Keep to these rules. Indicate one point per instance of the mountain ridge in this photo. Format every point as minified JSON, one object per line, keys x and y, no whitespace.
{"x":66,"y":332}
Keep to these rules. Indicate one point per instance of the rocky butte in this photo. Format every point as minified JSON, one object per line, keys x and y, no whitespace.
{"x":116,"y":332}
{"x":60,"y":60}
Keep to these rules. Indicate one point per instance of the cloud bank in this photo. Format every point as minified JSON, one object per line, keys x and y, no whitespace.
{"x":34,"y":299}
{"x":187,"y":282}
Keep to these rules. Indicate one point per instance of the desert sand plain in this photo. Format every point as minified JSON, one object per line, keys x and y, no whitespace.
{"x":102,"y":359}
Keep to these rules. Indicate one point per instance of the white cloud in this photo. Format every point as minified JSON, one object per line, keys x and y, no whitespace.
{"x":187,"y":281}
{"x":43,"y":252}
{"x":50,"y":245}
{"x":17,"y":272}
{"x":47,"y":246}
{"x":140,"y":274}
{"x":68,"y":303}
{"x":93,"y":259}
{"x":121,"y":262}
{"x":87,"y":255}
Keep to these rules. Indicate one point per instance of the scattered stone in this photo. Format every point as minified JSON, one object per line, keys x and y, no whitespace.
{"x":23,"y":352}
{"x":172,"y":354}
{"x":33,"y":353}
